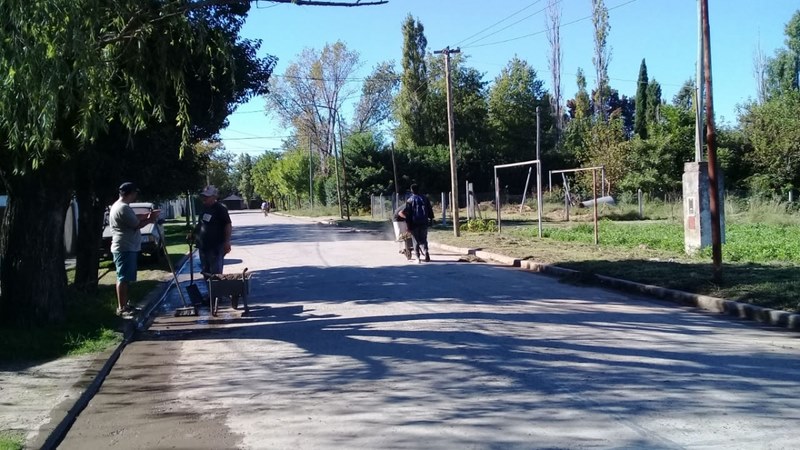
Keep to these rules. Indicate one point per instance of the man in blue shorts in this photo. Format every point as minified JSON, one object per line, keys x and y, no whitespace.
{"x":126,"y":241}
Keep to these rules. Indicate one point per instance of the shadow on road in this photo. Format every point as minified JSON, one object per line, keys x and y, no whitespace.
{"x":531,"y":335}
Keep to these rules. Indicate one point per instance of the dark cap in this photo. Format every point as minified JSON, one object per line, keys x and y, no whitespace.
{"x":127,"y":187}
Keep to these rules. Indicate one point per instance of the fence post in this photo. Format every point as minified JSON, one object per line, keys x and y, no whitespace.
{"x":444,"y":209}
{"x":383,"y":207}
{"x":641,"y":204}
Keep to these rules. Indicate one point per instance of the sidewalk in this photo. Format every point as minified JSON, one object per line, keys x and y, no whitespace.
{"x":41,"y":400}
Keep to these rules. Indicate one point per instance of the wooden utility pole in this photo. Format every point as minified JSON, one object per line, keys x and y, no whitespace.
{"x":394,"y":169}
{"x":711,"y":145}
{"x":310,"y":175}
{"x":344,"y":167}
{"x":452,"y":135}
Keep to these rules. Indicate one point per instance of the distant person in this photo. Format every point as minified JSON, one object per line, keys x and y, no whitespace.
{"x":265,"y":208}
{"x":418,"y":214}
{"x":213,"y":232}
{"x":126,"y":241}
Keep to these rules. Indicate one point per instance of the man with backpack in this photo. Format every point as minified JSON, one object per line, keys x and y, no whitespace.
{"x":418,"y":213}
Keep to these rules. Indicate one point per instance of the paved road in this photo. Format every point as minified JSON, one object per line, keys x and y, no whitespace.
{"x":349,"y":346}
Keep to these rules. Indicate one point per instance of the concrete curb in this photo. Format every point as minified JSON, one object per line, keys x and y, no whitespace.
{"x":50,"y":437}
{"x":778,"y":318}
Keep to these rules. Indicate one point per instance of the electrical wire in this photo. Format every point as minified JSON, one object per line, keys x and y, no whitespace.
{"x":545,"y":30}
{"x":496,"y":23}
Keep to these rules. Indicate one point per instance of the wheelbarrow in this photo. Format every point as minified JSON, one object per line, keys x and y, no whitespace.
{"x":236,"y":286}
{"x":403,"y":236}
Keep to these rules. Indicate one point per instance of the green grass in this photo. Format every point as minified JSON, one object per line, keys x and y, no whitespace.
{"x":760,"y":260}
{"x":11,"y":440}
{"x":91,"y":323}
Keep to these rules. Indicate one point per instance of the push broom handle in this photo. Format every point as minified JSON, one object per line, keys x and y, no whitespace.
{"x":174,"y":275}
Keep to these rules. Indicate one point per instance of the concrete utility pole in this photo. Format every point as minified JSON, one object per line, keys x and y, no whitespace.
{"x":711,"y":143}
{"x":538,"y":174}
{"x":452,"y":135}
{"x":699,"y":91}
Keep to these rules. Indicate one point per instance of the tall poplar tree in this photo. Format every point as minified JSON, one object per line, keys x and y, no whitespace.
{"x":602,"y":56}
{"x":411,"y":107}
{"x":640,"y":117}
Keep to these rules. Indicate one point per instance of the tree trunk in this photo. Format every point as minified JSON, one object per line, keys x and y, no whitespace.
{"x":32,"y":277}
{"x":90,"y":231}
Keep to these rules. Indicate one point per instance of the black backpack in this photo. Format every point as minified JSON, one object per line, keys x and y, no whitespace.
{"x":419,"y":211}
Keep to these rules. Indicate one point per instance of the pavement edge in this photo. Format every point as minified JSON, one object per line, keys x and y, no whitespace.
{"x":778,"y":318}
{"x":51,"y":434}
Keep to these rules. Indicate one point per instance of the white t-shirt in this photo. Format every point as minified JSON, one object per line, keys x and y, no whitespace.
{"x":125,"y":235}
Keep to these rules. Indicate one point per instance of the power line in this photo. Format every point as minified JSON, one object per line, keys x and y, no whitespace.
{"x":496,"y":23}
{"x":505,"y":28}
{"x":545,"y":30}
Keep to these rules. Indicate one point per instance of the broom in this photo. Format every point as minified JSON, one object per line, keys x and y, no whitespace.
{"x":185,"y":310}
{"x":194,"y":292}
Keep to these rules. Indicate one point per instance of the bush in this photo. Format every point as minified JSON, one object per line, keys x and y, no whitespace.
{"x":479,"y":225}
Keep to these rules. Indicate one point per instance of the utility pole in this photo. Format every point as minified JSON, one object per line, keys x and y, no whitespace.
{"x":699,"y":88}
{"x":396,"y":200}
{"x":538,"y":175}
{"x":344,"y":165}
{"x":310,"y":175}
{"x":452,"y":135}
{"x":711,"y":143}
{"x":332,"y":137}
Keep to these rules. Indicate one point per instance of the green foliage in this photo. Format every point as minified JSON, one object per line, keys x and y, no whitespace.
{"x":479,"y":226}
{"x":368,"y":168}
{"x":242,"y":177}
{"x":290,"y":174}
{"x":263,"y":185}
{"x":12,"y":440}
{"x":773,"y":129}
{"x":513,"y":99}
{"x":640,"y":121}
{"x":411,"y":105}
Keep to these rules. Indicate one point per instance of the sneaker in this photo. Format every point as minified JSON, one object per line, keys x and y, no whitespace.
{"x":427,"y":257}
{"x":126,"y":311}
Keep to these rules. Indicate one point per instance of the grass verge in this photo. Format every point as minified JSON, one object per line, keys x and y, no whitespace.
{"x":11,"y":440}
{"x":760,"y":261}
{"x":91,"y":323}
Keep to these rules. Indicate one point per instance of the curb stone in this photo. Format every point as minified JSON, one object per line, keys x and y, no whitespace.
{"x":778,"y":318}
{"x":64,"y":415}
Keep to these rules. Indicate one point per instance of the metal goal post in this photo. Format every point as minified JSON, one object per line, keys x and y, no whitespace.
{"x":538,"y":189}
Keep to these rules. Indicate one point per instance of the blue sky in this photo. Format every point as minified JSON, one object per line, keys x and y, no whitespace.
{"x":664,"y":32}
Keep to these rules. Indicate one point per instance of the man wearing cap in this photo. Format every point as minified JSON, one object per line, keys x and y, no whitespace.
{"x":126,"y":240}
{"x":213,"y":232}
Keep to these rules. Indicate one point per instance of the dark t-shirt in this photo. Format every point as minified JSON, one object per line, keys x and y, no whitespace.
{"x":211,"y":227}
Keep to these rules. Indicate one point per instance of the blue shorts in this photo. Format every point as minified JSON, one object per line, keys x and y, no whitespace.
{"x":126,"y":265}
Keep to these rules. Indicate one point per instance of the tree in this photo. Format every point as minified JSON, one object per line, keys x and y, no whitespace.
{"x":773,"y":129}
{"x":554,"y":59}
{"x":581,"y":106}
{"x":783,"y":70}
{"x":684,"y":98}
{"x":412,"y":102}
{"x":367,"y":168}
{"x":312,"y":91}
{"x":602,"y":56}
{"x":470,"y":114}
{"x":513,"y":99}
{"x":263,"y":185}
{"x":377,"y":94}
{"x":640,"y":118}
{"x":244,"y":178}
{"x":71,"y":67}
{"x":653,"y":101}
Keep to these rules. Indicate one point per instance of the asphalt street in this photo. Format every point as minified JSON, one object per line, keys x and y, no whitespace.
{"x":349,"y":346}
